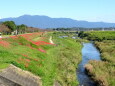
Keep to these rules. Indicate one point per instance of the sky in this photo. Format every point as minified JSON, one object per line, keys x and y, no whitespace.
{"x":88,"y":10}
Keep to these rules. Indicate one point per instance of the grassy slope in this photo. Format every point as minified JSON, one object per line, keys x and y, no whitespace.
{"x":68,"y":56}
{"x":103,"y":71}
{"x":59,"y":63}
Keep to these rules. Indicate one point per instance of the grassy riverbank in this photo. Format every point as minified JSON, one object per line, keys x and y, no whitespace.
{"x":68,"y":54}
{"x":103,"y":72}
{"x":34,"y":53}
{"x":98,"y":35}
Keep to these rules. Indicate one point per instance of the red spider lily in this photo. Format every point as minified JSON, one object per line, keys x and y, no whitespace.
{"x":24,"y":55}
{"x":24,"y":61}
{"x":4,"y":43}
{"x":29,"y":57}
{"x":27,"y":60}
{"x":42,"y":50}
{"x":30,"y":36}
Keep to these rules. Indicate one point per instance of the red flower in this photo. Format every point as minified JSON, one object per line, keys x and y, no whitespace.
{"x":24,"y":55}
{"x":27,"y":60}
{"x":42,"y":50}
{"x":4,"y":43}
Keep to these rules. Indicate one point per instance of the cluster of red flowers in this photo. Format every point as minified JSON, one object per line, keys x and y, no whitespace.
{"x":28,"y":37}
{"x":38,"y":43}
{"x":4,"y":43}
{"x":31,"y":35}
{"x":25,"y":61}
{"x":29,"y":57}
{"x":14,"y":37}
{"x":42,"y":50}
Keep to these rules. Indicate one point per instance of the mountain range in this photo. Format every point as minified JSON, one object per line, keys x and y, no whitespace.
{"x":48,"y":22}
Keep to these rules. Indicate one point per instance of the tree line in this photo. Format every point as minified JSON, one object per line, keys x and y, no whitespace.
{"x":9,"y":27}
{"x":83,"y":29}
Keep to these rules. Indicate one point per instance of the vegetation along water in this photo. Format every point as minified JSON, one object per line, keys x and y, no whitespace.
{"x":102,"y":72}
{"x":55,"y":56}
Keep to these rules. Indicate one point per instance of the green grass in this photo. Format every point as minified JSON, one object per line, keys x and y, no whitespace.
{"x":68,"y":54}
{"x":59,"y":63}
{"x":3,"y":65}
{"x":36,"y":39}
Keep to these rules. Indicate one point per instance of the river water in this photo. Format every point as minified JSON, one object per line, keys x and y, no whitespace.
{"x":89,"y":52}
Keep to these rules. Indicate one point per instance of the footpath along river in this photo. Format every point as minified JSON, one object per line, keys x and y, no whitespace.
{"x":89,"y":52}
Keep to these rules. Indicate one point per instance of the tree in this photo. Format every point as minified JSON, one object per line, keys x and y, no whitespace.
{"x":21,"y":28}
{"x":10,"y":24}
{"x":4,"y":29}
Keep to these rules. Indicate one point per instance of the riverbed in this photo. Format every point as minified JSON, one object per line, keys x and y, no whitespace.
{"x":89,"y":52}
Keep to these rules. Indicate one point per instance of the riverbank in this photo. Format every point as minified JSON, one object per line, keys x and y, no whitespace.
{"x":34,"y":52}
{"x":68,"y":55}
{"x":103,"y":72}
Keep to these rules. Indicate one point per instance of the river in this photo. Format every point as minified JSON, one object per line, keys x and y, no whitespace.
{"x":89,"y":52}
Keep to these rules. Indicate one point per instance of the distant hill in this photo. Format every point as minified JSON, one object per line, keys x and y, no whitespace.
{"x":47,"y":22}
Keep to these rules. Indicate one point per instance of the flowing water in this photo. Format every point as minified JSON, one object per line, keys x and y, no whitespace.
{"x":89,"y":52}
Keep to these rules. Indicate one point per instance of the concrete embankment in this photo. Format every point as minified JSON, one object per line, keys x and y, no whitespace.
{"x":13,"y":76}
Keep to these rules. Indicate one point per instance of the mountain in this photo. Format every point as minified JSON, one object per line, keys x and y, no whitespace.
{"x":47,"y":22}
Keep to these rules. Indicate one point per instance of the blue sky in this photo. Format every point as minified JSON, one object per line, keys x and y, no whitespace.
{"x":90,"y":10}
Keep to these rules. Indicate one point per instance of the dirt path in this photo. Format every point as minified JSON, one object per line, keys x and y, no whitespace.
{"x":50,"y":39}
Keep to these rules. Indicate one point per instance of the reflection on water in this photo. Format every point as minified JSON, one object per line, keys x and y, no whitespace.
{"x":89,"y":52}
